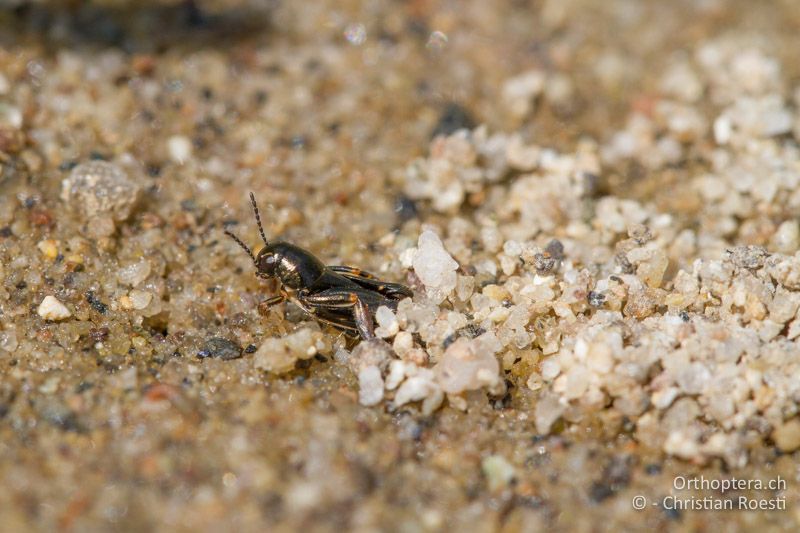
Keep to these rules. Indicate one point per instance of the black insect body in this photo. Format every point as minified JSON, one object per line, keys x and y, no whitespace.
{"x":342,"y":296}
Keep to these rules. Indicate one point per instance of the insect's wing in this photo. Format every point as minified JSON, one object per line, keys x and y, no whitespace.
{"x":393,"y":291}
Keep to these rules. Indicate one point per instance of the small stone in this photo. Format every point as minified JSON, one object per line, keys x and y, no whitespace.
{"x":397,"y":372}
{"x":681,"y":444}
{"x":125,"y":302}
{"x":99,"y":227}
{"x":576,"y":381}
{"x":547,"y":411}
{"x":749,"y":257}
{"x":794,"y":329}
{"x":140,"y":299}
{"x":388,"y":326}
{"x":498,"y":471}
{"x":274,"y":356}
{"x":543,"y":263}
{"x":519,"y":92}
{"x":723,"y":129}
{"x":373,"y":352}
{"x":11,"y":117}
{"x":652,"y":269}
{"x":279,"y":354}
{"x":52,"y":309}
{"x":57,"y":413}
{"x":220,"y":348}
{"x":100,"y":188}
{"x":466,"y":365}
{"x":464,"y":287}
{"x":787,"y":238}
{"x":179,"y":148}
{"x":550,"y":369}
{"x":663,"y":398}
{"x":403,"y":343}
{"x":454,"y":117}
{"x":8,"y":340}
{"x":370,"y":386}
{"x":434,"y":266}
{"x":417,"y":356}
{"x":420,"y":386}
{"x":50,"y":386}
{"x":520,"y":156}
{"x":787,"y":436}
{"x":682,"y":82}
{"x":694,"y":378}
{"x":600,"y":358}
{"x":134,"y":273}
{"x":49,"y":248}
{"x":596,"y":299}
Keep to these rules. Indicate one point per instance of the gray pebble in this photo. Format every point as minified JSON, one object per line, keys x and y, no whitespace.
{"x":100,"y":188}
{"x":220,"y":348}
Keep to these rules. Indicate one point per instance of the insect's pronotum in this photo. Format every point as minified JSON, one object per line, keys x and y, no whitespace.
{"x":342,"y":296}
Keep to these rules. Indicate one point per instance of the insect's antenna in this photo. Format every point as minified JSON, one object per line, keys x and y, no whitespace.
{"x":258,"y":218}
{"x":242,"y":244}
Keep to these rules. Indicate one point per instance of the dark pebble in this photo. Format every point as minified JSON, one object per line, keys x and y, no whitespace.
{"x":83,"y":386}
{"x":453,"y":118}
{"x":600,"y":491}
{"x":153,"y":170}
{"x":99,"y":334}
{"x":544,"y":263}
{"x":405,"y":209}
{"x":591,"y":183}
{"x":621,"y":260}
{"x":188,"y":205}
{"x":652,"y":469}
{"x":617,"y":472}
{"x":298,"y":142}
{"x":450,"y":339}
{"x":95,"y":302}
{"x":555,"y":248}
{"x":220,"y":348}
{"x":59,"y":415}
{"x":505,"y":401}
{"x":671,"y":513}
{"x":596,"y":299}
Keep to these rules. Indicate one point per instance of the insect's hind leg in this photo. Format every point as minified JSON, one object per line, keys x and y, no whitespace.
{"x":363,"y":320}
{"x":343,"y":299}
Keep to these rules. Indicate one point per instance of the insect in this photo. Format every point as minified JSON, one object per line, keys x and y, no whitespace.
{"x":342,"y":296}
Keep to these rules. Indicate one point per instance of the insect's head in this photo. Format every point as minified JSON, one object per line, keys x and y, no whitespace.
{"x":267,"y":258}
{"x":266,"y":261}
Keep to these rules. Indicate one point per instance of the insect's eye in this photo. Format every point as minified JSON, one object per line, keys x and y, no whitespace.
{"x":270,"y":259}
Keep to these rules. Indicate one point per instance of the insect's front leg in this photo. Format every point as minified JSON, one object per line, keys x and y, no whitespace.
{"x":266,"y":305}
{"x":342,"y":299}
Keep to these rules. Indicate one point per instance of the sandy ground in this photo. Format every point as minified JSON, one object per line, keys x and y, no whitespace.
{"x":596,"y":204}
